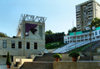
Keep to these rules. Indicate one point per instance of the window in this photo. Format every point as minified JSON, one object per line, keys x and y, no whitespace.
{"x":12,"y":44}
{"x":35,"y":45}
{"x":28,"y":45}
{"x":4,"y":43}
{"x":95,"y":33}
{"x":19,"y":44}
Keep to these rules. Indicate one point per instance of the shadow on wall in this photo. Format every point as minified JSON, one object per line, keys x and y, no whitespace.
{"x":61,"y":65}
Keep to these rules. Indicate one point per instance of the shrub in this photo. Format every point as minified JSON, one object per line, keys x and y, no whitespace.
{"x":57,"y":56}
{"x":8,"y":62}
{"x":74,"y":54}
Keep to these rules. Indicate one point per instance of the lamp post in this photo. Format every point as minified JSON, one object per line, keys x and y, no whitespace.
{"x":90,"y":42}
{"x":75,"y":39}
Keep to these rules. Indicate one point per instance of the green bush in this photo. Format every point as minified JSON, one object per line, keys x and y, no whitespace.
{"x":57,"y":56}
{"x":74,"y":54}
{"x":54,"y":45}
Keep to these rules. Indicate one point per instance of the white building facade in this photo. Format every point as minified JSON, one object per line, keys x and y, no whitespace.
{"x":82,"y":36}
{"x":30,"y":38}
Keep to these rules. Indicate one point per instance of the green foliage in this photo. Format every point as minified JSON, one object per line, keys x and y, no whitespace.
{"x":57,"y":56}
{"x":74,"y":29}
{"x":80,"y":49}
{"x":55,"y":37}
{"x":8,"y":61}
{"x":48,"y":32}
{"x":74,"y":54}
{"x":95,"y":22}
{"x":54,"y":45}
{"x":69,"y":31}
{"x":3,"y":35}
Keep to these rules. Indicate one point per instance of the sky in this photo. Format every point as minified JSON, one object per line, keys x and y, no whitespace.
{"x":60,"y":14}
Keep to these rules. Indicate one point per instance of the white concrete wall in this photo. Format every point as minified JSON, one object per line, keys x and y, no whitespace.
{"x":32,"y":38}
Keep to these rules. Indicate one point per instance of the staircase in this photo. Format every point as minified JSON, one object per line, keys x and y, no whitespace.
{"x":45,"y":57}
{"x":73,"y":46}
{"x":92,"y":48}
{"x":37,"y":65}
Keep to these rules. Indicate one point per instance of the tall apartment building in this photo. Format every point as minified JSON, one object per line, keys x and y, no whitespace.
{"x":85,"y":12}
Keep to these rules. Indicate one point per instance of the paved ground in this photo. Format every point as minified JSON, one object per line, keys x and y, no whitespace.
{"x":3,"y":63}
{"x":3,"y":67}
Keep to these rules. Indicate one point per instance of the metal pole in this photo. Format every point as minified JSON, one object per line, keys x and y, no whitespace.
{"x":90,"y":44}
{"x":75,"y":39}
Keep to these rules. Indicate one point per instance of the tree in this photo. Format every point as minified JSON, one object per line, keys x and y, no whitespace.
{"x":8,"y":61}
{"x":69,"y":32}
{"x":3,"y":34}
{"x":74,"y":29}
{"x":49,"y":32}
{"x":95,"y":22}
{"x":55,"y":37}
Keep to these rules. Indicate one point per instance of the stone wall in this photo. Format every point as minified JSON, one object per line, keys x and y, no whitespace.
{"x":38,"y":37}
{"x":37,"y":65}
{"x":61,"y":65}
{"x":22,"y":51}
{"x":76,"y":65}
{"x":2,"y":60}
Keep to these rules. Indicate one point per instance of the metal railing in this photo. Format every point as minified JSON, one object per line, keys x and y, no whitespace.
{"x":72,"y":46}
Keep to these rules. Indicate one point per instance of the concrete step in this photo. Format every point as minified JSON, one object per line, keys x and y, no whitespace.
{"x":45,"y":57}
{"x":37,"y":65}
